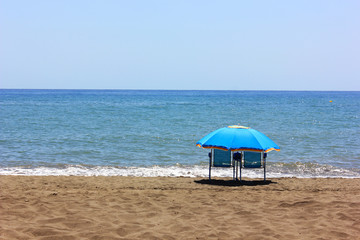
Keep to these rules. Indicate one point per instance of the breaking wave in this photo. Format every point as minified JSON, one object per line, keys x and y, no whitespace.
{"x":274,"y":170}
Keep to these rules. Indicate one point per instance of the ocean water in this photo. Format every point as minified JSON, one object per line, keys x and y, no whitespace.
{"x":153,"y":133}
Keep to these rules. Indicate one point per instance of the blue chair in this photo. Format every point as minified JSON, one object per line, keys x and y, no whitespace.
{"x":220,"y":158}
{"x":253,"y":160}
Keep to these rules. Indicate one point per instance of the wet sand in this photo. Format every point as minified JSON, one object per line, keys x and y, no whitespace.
{"x":59,"y":207}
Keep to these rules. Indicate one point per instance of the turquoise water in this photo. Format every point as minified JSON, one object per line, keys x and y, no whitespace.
{"x":130,"y":132}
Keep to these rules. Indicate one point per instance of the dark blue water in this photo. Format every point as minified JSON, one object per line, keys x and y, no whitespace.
{"x":57,"y":130}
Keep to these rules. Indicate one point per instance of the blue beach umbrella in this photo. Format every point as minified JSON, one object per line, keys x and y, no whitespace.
{"x":238,"y":138}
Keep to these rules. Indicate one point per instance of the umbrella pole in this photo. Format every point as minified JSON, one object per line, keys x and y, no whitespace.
{"x":210,"y":156}
{"x":241,"y":164}
{"x":233,"y":164}
{"x":237,"y":168}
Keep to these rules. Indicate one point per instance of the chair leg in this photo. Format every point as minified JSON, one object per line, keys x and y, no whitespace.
{"x":210,"y":173}
{"x":210,"y":169}
{"x":240,"y":173}
{"x":264,"y":173}
{"x":233,"y":172}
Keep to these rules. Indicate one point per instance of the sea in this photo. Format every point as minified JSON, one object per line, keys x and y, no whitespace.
{"x":150,"y":133}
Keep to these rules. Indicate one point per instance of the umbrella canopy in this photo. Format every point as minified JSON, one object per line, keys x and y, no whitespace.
{"x":238,"y":138}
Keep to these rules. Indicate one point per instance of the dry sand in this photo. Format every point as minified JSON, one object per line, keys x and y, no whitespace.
{"x":177,"y":208}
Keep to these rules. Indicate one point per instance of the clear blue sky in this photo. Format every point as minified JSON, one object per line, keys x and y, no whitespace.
{"x":153,"y":44}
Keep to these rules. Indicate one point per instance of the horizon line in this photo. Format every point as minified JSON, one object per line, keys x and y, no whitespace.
{"x":134,"y":89}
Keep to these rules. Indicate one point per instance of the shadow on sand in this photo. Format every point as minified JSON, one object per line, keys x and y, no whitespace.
{"x":232,"y":183}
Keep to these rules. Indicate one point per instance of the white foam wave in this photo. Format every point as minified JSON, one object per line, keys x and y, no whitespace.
{"x":273,"y":171}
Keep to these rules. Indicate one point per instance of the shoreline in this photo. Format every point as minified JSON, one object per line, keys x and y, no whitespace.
{"x":115,"y":207}
{"x":274,"y":170}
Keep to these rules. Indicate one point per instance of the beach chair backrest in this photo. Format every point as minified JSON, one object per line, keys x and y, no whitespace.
{"x":252,"y":160}
{"x":221,"y":158}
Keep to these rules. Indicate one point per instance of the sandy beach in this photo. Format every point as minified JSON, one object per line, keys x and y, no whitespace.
{"x":60,"y":207}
